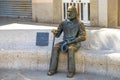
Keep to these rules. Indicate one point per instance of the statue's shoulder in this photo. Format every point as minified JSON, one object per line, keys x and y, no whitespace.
{"x":64,"y":22}
{"x":80,"y":22}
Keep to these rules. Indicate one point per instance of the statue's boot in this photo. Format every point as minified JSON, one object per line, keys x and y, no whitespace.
{"x":70,"y":75}
{"x":50,"y":73}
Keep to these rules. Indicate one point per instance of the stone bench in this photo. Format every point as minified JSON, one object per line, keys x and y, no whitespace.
{"x":98,"y":54}
{"x":101,"y":51}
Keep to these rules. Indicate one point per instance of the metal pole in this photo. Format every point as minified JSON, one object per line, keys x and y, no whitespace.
{"x":52,"y":50}
{"x":53,"y":43}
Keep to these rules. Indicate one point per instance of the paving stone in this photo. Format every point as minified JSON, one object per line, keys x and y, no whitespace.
{"x":42,"y":75}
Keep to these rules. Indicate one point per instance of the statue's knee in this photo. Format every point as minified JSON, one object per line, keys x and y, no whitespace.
{"x":72,"y":48}
{"x":56,"y":47}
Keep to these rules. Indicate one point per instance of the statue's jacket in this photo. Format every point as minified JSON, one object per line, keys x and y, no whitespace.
{"x":73,"y":31}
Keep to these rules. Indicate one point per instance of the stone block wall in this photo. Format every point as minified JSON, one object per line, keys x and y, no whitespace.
{"x":42,"y":11}
{"x":94,"y":12}
{"x":118,"y":12}
{"x":47,"y":11}
{"x":113,"y":13}
{"x":57,"y":11}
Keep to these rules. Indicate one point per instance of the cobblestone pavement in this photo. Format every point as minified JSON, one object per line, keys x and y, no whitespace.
{"x":6,"y":74}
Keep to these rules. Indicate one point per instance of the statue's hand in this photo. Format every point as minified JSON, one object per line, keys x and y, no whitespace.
{"x":64,"y":46}
{"x":71,"y":41}
{"x":54,"y":31}
{"x":68,"y":41}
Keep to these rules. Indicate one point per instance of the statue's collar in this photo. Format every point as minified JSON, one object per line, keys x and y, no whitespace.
{"x":73,"y":21}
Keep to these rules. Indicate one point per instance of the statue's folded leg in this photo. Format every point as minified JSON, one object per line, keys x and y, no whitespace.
{"x":71,"y":59}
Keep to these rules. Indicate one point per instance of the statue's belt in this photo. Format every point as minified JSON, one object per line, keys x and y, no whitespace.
{"x":69,"y":39}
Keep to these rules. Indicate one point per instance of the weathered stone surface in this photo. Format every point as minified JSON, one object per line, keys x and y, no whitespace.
{"x":95,"y":62}
{"x":98,"y":54}
{"x":113,"y":13}
{"x":57,"y":11}
{"x":113,"y":70}
{"x":94,"y":12}
{"x":118,"y":12}
{"x":41,"y":75}
{"x":42,"y":11}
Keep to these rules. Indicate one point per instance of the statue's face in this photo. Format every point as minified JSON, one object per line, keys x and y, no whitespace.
{"x":71,"y":13}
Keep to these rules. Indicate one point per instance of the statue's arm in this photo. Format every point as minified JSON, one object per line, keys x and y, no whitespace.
{"x":81,"y":34}
{"x":59,"y":30}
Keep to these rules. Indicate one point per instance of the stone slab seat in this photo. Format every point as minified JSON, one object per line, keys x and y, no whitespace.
{"x":101,"y":51}
{"x":98,"y":54}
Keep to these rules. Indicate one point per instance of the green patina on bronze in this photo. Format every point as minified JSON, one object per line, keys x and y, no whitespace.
{"x":73,"y":33}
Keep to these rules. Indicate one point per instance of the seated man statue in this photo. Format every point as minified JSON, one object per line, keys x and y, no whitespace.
{"x":73,"y":33}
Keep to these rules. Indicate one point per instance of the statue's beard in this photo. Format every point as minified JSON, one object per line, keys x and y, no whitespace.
{"x":71,"y":18}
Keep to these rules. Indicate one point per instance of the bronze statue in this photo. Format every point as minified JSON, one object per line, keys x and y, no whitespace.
{"x":74,"y":32}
